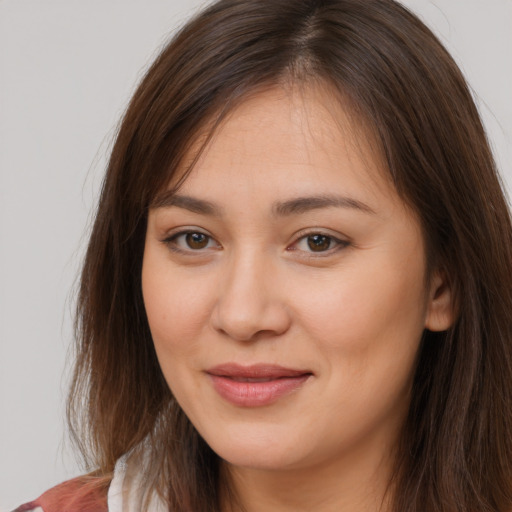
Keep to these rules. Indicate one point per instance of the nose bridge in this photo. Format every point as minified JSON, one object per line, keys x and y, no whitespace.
{"x":248,"y":300}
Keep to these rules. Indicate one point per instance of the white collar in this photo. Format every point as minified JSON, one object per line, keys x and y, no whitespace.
{"x":124,"y":492}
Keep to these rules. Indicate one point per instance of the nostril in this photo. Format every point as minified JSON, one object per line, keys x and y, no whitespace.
{"x":270,"y":322}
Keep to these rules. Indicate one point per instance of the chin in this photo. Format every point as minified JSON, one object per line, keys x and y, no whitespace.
{"x":264,"y":450}
{"x":258,"y":459}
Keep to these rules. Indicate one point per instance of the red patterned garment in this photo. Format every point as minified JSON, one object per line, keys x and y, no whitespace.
{"x":123,"y":493}
{"x":77,"y":495}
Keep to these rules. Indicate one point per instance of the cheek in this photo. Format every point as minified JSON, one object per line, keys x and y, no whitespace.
{"x":367,"y":324}
{"x":176,"y":314}
{"x":377,"y":303}
{"x":177,"y":309}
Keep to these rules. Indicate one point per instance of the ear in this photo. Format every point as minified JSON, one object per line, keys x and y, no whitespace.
{"x":440,"y":309}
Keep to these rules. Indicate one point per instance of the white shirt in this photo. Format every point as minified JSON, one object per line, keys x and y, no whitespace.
{"x":124,"y":491}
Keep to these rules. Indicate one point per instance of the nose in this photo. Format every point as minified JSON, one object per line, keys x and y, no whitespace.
{"x":251,"y":301}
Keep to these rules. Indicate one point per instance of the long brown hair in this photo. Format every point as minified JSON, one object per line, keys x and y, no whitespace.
{"x":456,"y":446}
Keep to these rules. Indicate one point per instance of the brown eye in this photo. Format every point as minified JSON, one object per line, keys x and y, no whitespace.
{"x":319,"y":243}
{"x":196,"y":240}
{"x":191,"y":243}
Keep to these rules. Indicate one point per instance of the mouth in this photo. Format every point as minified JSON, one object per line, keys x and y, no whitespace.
{"x":256,"y":385}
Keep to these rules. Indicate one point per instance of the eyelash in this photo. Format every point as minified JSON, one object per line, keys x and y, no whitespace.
{"x":171,"y":243}
{"x":335,"y":244}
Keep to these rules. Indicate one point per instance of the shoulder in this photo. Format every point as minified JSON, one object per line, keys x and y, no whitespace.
{"x":82,"y":494}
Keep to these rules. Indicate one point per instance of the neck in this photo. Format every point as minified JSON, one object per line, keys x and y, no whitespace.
{"x":356,"y":484}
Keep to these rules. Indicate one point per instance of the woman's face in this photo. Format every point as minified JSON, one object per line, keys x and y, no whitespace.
{"x":285,"y":288}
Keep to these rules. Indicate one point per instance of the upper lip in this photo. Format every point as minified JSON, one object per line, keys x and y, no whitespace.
{"x":255,"y":371}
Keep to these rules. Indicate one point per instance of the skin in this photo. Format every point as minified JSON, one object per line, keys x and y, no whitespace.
{"x":254,"y":291}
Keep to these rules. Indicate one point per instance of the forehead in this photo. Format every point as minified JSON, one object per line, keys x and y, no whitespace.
{"x":289,"y":134}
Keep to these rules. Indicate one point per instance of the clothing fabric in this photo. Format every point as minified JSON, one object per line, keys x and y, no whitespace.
{"x":123,"y":495}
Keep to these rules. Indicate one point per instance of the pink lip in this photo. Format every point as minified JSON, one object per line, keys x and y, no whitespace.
{"x":256,"y":385}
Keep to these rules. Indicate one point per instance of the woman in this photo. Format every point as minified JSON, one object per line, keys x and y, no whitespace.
{"x":296,"y":292}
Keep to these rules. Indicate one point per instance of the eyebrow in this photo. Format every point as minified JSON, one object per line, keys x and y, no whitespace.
{"x":306,"y":204}
{"x":280,"y":209}
{"x":191,"y":204}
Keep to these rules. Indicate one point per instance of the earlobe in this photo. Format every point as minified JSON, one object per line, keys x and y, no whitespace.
{"x":440,"y":309}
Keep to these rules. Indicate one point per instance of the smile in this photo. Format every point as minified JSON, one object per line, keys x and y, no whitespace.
{"x":256,"y":385}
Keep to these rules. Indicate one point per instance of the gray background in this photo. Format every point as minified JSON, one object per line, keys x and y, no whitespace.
{"x":67,"y":69}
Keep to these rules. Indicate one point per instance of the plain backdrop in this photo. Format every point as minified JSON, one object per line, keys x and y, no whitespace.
{"x":67,"y":70}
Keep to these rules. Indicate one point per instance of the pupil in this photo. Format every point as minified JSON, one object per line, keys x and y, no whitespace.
{"x":319,"y":242}
{"x":196,"y":240}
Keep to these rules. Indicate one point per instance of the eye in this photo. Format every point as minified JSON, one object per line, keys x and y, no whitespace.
{"x":190,"y":241}
{"x":196,"y":240}
{"x":319,"y":243}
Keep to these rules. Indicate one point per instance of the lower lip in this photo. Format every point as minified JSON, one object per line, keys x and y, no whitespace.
{"x":256,"y":394}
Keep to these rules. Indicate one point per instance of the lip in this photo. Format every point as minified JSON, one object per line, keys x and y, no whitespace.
{"x":256,"y":385}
